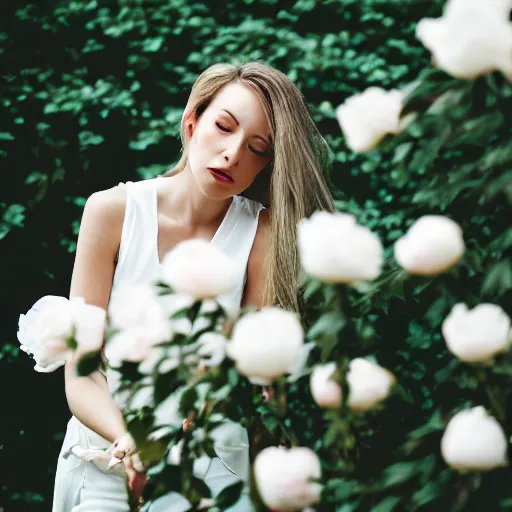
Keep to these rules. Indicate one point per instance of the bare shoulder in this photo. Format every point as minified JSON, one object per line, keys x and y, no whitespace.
{"x":104,"y":212}
{"x":264,"y":226}
{"x":109,"y":203}
{"x":257,"y":264}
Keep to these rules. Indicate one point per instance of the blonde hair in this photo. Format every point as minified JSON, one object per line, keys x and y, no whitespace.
{"x":294,"y":182}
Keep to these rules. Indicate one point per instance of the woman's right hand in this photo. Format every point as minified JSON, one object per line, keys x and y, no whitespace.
{"x":136,"y":482}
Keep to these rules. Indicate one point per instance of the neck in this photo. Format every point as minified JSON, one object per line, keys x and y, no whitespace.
{"x":184,"y":201}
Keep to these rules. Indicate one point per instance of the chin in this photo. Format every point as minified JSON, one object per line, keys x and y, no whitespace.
{"x":213,"y":190}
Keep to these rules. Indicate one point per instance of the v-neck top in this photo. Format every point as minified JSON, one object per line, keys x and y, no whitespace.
{"x":138,"y":261}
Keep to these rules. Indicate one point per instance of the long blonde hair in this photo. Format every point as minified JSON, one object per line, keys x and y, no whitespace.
{"x":294,"y":181}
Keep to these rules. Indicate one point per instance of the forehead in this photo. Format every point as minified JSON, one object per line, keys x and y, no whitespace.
{"x":244,"y":104}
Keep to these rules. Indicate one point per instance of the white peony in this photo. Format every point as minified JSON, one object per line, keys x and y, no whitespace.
{"x":139,"y":307}
{"x":474,"y":441}
{"x":335,"y":249}
{"x":138,"y":315}
{"x":265,"y":344}
{"x":432,"y":245}
{"x":198,"y":268}
{"x":367,"y":117}
{"x":472,"y":38}
{"x":478,"y":334}
{"x":284,"y":478}
{"x":45,"y":332}
{"x":325,"y":391}
{"x":368,"y":384}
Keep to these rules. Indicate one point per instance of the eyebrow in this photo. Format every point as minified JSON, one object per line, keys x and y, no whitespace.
{"x":236,"y":121}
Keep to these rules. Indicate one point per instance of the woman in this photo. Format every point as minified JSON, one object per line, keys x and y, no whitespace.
{"x":245,"y":130}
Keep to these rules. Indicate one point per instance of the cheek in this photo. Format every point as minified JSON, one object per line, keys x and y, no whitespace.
{"x":206,"y":138}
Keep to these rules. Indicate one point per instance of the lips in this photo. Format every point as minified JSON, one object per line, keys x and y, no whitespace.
{"x":221,"y":175}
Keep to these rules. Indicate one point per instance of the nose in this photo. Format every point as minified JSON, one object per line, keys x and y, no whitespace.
{"x":232,"y":153}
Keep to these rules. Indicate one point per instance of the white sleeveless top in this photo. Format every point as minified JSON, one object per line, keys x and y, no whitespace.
{"x":138,"y":260}
{"x":138,"y":263}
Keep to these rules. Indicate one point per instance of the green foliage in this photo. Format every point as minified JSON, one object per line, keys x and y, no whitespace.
{"x":97,"y":98}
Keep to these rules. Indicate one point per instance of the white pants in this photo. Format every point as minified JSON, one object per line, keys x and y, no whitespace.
{"x":81,"y":486}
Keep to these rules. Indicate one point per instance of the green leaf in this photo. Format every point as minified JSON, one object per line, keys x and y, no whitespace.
{"x":498,"y":279}
{"x":229,"y":495}
{"x":387,"y":504}
{"x":428,"y":493}
{"x":88,"y":138}
{"x":88,"y":363}
{"x":399,"y":473}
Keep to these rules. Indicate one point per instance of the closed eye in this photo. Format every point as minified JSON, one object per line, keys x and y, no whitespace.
{"x":258,"y":153}
{"x":223,"y":128}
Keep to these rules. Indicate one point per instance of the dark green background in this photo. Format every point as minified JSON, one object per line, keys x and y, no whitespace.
{"x":92,"y":95}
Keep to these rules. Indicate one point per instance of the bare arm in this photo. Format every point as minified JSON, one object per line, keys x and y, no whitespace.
{"x":89,"y":398}
{"x":256,"y":266}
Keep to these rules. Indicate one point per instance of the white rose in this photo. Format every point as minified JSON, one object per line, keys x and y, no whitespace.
{"x":45,"y":331}
{"x":335,"y":249}
{"x":368,"y":384}
{"x":474,"y":441}
{"x":132,"y":345}
{"x":432,"y":245}
{"x":472,"y":38}
{"x":265,"y":344}
{"x":325,"y":391}
{"x":139,"y":307}
{"x":198,"y":268}
{"x":477,"y":335}
{"x":367,"y":117}
{"x":284,"y":478}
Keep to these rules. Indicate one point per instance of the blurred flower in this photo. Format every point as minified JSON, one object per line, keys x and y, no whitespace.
{"x":198,"y":268}
{"x":325,"y":391}
{"x":478,"y":334}
{"x":265,"y":344}
{"x":47,"y":329}
{"x":368,"y":384}
{"x":138,"y":313}
{"x":139,"y":307}
{"x":474,"y":441}
{"x":472,"y":38}
{"x":283,"y":478}
{"x":432,"y":245}
{"x":335,"y":249}
{"x":367,"y":117}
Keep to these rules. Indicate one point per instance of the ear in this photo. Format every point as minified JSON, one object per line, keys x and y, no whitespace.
{"x":188,"y":122}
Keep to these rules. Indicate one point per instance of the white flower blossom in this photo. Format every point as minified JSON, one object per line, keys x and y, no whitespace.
{"x":472,"y":38}
{"x":335,"y":249}
{"x":198,"y":268}
{"x":474,"y":441}
{"x":265,"y":344}
{"x":478,"y":334}
{"x":325,"y":391}
{"x":284,"y":478}
{"x":368,"y":384}
{"x":366,"y":118}
{"x":45,"y":331}
{"x":433,"y":244}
